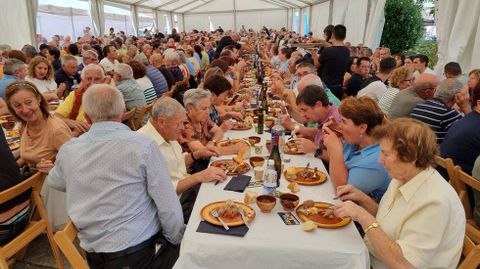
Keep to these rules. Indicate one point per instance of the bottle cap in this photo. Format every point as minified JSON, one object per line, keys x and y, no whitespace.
{"x":271,"y":162}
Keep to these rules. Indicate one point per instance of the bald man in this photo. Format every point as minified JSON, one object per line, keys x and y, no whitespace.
{"x":406,"y":100}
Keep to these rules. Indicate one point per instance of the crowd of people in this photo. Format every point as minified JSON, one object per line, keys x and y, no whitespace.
{"x":376,"y":120}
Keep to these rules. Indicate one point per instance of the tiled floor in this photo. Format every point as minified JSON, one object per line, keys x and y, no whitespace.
{"x":39,"y":256}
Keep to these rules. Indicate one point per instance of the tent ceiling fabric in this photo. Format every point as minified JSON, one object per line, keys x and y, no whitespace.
{"x":180,"y":6}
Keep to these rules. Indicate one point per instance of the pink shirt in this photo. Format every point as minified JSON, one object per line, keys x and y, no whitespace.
{"x":332,"y":112}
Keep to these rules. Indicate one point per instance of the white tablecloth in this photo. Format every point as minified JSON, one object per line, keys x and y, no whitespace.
{"x":270,"y":243}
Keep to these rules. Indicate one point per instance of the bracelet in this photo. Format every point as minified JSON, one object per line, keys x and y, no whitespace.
{"x":371,"y":226}
{"x":193,"y":158}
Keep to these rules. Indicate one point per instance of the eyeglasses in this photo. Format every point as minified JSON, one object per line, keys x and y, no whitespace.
{"x":409,"y":80}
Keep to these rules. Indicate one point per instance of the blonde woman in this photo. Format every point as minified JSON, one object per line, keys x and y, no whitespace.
{"x":40,"y":73}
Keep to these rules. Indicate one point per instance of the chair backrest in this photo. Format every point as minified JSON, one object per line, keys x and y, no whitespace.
{"x":34,"y":228}
{"x":64,"y":240}
{"x":447,"y":164}
{"x":464,"y":180}
{"x":470,"y":253}
{"x":129,"y":116}
{"x":146,"y":109}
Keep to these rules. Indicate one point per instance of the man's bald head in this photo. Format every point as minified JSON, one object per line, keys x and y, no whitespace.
{"x":425,"y":85}
{"x":156,"y":60}
{"x":310,"y":79}
{"x":427,"y":78}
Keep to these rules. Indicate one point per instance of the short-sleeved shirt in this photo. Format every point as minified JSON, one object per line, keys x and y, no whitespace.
{"x":334,"y":62}
{"x":46,"y":143}
{"x":386,"y":100}
{"x":374,"y":90}
{"x":158,"y":80}
{"x":332,"y":112}
{"x":43,"y":85}
{"x":65,"y":108}
{"x":425,"y":217}
{"x":354,"y":84}
{"x":190,"y":134}
{"x":437,"y":115}
{"x":107,"y":65}
{"x":364,"y":170}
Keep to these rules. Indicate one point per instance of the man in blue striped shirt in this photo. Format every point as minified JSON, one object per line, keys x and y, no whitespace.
{"x":119,"y":192}
{"x":438,"y":112}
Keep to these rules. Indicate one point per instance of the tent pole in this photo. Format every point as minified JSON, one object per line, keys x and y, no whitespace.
{"x":310,"y":18}
{"x":330,"y":12}
{"x":73,"y":25}
{"x":234,"y":15}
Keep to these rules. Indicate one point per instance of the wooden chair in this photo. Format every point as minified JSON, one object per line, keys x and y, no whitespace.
{"x":146,"y":109}
{"x":470,"y":255}
{"x":64,"y":240}
{"x":129,"y":116}
{"x":448,"y":165}
{"x":463,"y":179}
{"x":34,"y":227}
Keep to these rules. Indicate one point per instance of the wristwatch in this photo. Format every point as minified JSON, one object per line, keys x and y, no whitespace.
{"x":319,"y":151}
{"x":371,"y":226}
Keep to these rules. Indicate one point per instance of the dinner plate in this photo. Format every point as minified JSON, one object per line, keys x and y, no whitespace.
{"x":320,"y":220}
{"x":321,"y":177}
{"x":241,"y":126}
{"x":206,"y":214}
{"x":229,"y":164}
{"x":291,"y":149}
{"x":230,"y":142}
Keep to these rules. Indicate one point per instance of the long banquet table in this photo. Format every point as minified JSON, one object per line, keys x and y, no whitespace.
{"x":269,"y":242}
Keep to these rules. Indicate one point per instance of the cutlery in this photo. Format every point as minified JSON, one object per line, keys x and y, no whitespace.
{"x":315,"y":173}
{"x":215,"y":214}
{"x":304,"y":173}
{"x":244,"y":218}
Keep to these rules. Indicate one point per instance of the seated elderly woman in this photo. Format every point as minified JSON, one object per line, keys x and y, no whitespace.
{"x":420,"y":221}
{"x":219,"y":87}
{"x":42,"y":137}
{"x":200,"y":131}
{"x":354,"y":161}
{"x":171,"y":59}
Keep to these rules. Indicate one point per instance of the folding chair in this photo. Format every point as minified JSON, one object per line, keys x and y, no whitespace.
{"x":470,"y":255}
{"x":34,"y":227}
{"x":463,"y":179}
{"x":129,"y":116}
{"x":64,"y":240}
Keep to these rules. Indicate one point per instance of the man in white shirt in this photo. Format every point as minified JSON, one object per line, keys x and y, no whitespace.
{"x":420,"y":63}
{"x":165,"y":125}
{"x":110,"y":59}
{"x":376,"y":89}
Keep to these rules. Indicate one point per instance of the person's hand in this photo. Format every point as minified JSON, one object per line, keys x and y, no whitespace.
{"x":305,"y":145}
{"x":44,"y":166}
{"x":78,"y":126}
{"x":287,"y":122}
{"x":349,"y":192}
{"x":226,"y":125}
{"x":211,"y":174}
{"x":204,"y":153}
{"x":61,"y":89}
{"x":349,"y":209}
{"x":331,"y":141}
{"x":235,"y":115}
{"x":213,"y":148}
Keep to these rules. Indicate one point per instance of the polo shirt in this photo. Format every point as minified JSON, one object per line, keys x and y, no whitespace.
{"x":332,"y":112}
{"x":354,"y":84}
{"x":425,"y":217}
{"x":374,"y":90}
{"x":462,"y":142}
{"x":436,"y":114}
{"x":171,"y":151}
{"x":107,"y":65}
{"x":65,"y":108}
{"x":364,"y":171}
{"x":403,"y":103}
{"x":158,"y":80}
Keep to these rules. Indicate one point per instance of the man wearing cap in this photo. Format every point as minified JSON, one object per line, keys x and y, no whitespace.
{"x":438,"y":112}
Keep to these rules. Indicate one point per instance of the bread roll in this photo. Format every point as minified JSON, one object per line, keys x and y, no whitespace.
{"x":293,"y":187}
{"x":250,"y":197}
{"x":309,"y":226}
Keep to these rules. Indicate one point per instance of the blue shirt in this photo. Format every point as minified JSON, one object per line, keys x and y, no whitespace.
{"x":190,"y":66}
{"x":119,"y":191}
{"x":7,"y":79}
{"x":364,"y":170}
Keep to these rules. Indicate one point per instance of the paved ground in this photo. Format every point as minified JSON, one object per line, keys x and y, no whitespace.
{"x":39,"y":256}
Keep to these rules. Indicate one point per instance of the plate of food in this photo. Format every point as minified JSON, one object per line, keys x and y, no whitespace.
{"x":230,"y":142}
{"x":14,"y":144}
{"x":321,"y":214}
{"x":291,"y":148}
{"x":12,"y":133}
{"x":229,"y":211}
{"x":305,"y":176}
{"x":241,"y":126}
{"x":232,"y":167}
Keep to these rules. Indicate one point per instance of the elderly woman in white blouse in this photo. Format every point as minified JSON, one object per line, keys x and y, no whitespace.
{"x":420,"y":221}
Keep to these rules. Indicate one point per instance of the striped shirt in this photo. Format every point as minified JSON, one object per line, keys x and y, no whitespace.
{"x":386,"y":100}
{"x":147,"y":88}
{"x":437,"y":115}
{"x":158,"y":80}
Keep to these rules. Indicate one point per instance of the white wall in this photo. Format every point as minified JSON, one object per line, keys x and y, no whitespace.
{"x":271,"y":19}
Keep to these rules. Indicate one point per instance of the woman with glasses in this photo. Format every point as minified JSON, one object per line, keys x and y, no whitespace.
{"x":400,"y":79}
{"x":42,"y":137}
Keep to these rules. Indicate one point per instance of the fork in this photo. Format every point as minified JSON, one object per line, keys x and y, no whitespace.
{"x":215,"y":214}
{"x":315,"y":173}
{"x":244,"y":218}
{"x":305,"y":170}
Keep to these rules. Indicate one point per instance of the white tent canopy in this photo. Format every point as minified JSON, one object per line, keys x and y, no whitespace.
{"x":363,"y":18}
